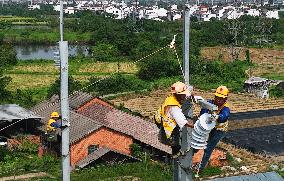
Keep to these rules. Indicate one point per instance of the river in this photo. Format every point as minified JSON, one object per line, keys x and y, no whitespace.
{"x":34,"y":52}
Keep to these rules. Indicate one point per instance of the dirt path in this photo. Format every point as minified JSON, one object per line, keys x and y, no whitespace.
{"x":25,"y":176}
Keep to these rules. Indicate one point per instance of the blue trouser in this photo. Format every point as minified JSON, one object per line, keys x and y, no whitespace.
{"x":214,"y":137}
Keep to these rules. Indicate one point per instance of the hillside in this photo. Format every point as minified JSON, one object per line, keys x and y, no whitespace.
{"x":268,"y":62}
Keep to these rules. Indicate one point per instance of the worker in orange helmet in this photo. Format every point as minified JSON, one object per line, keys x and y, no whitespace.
{"x":170,"y":117}
{"x":221,"y":117}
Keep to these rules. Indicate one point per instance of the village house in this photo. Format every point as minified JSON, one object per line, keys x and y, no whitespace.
{"x":25,"y":121}
{"x":99,"y":131}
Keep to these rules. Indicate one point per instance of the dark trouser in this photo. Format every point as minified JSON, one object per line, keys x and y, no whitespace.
{"x":214,"y":137}
{"x":176,"y":141}
{"x":173,"y":141}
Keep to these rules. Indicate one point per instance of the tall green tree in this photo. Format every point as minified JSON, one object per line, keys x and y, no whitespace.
{"x":7,"y":59}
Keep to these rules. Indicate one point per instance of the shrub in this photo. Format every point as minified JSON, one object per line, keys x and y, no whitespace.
{"x":105,"y":52}
{"x":24,"y":98}
{"x":211,"y":74}
{"x":73,"y":85}
{"x":136,"y":150}
{"x":159,"y":66}
{"x":28,"y":146}
{"x":277,"y":91}
{"x":115,"y":84}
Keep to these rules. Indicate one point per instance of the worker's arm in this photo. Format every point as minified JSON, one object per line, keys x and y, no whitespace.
{"x":224,"y":115}
{"x":204,"y":110}
{"x":178,"y":116}
{"x":55,"y":124}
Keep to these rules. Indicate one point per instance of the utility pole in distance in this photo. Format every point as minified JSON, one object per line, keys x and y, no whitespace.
{"x":65,"y":151}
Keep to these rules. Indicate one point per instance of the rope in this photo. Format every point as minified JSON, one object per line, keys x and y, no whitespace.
{"x":173,"y":46}
{"x":179,"y":62}
{"x":76,"y":92}
{"x":12,"y":124}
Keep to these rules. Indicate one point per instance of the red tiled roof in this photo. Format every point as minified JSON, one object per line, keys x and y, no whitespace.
{"x":120,"y":121}
{"x":80,"y":125}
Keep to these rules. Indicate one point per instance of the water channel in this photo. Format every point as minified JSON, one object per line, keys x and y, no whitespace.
{"x":34,"y":52}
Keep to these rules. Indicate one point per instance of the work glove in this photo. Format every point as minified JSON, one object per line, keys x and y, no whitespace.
{"x":190,"y":89}
{"x":214,"y":117}
{"x":196,"y":99}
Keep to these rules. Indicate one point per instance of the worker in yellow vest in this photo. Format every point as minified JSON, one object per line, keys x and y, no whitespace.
{"x":52,"y":124}
{"x":170,"y":118}
{"x":221,"y":117}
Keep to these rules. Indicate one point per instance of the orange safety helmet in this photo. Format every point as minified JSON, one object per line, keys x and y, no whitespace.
{"x":54,"y":115}
{"x":222,"y":91}
{"x":180,"y":88}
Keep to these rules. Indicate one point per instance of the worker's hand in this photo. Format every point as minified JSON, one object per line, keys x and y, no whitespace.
{"x":197,"y":99}
{"x":190,"y":125}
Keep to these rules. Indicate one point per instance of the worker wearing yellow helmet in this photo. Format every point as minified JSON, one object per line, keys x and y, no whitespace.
{"x":170,"y":118}
{"x":53,"y":124}
{"x":221,"y":117}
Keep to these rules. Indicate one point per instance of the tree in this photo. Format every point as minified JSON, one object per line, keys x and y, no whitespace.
{"x":7,"y":56}
{"x":4,"y":81}
{"x":116,"y":83}
{"x":160,"y":65}
{"x":105,"y":52}
{"x":7,"y":59}
{"x":73,"y":85}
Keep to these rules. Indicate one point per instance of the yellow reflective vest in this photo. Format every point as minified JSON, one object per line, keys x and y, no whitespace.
{"x":50,"y":128}
{"x":222,"y":126}
{"x":162,"y":119}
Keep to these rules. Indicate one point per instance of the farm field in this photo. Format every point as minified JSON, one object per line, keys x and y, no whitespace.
{"x":27,"y":75}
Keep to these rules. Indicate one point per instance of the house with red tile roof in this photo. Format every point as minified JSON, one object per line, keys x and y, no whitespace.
{"x":99,"y":132}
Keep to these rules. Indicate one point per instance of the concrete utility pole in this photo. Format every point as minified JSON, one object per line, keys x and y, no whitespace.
{"x":186,"y":27}
{"x":63,"y":49}
{"x":182,"y":165}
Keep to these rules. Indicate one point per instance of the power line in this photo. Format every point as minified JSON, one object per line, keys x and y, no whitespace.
{"x":78,"y":91}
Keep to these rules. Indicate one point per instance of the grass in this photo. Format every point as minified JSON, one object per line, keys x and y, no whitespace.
{"x":149,"y":172}
{"x":274,"y":76}
{"x":234,"y":163}
{"x":281,"y":173}
{"x":43,"y":36}
{"x":211,"y":171}
{"x":109,"y":67}
{"x":29,"y":81}
{"x":15,"y":18}
{"x":39,"y":74}
{"x":30,"y":23}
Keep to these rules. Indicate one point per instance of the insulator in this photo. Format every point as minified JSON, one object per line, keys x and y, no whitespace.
{"x":201,"y":130}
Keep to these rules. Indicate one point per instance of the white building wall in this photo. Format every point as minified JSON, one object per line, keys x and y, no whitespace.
{"x":272,"y":14}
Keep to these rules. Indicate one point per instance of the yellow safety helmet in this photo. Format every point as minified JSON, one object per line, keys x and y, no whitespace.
{"x":222,"y":91}
{"x":54,"y":115}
